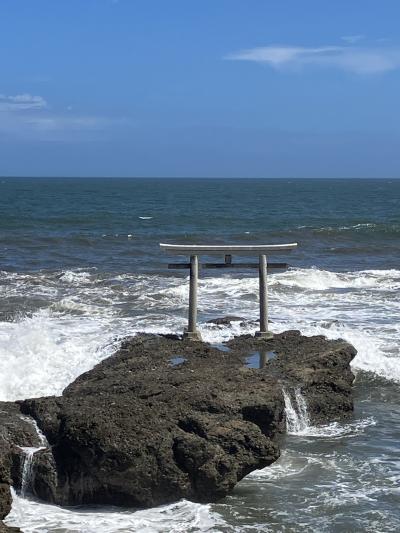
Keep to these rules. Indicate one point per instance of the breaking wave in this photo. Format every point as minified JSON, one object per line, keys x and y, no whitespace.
{"x":67,"y":321}
{"x":73,"y":319}
{"x":181,"y":517}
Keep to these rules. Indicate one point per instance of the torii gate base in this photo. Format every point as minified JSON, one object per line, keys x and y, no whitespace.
{"x":192,"y":332}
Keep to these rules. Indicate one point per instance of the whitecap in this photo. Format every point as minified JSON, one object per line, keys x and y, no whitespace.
{"x":181,"y":517}
{"x":75,"y":277}
{"x":40,"y":355}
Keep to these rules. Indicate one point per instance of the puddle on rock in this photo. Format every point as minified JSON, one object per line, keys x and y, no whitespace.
{"x":260,"y":359}
{"x":221,"y":347}
{"x":178,"y":360}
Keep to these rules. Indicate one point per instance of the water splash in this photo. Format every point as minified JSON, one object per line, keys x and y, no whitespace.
{"x":298,"y":421}
{"x":27,"y":468}
{"x":297,"y":418}
{"x":183,"y":516}
{"x":41,"y":436}
{"x":28,"y":457}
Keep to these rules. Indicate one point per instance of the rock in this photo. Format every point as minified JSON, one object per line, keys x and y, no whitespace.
{"x":8,"y":529}
{"x":166,"y":418}
{"x":319,"y":367}
{"x":5,"y":500}
{"x":138,"y":430}
{"x":225,"y":320}
{"x":15,"y":431}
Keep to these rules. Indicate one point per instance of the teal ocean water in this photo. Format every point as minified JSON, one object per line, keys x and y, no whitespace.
{"x":80,"y":268}
{"x":116,"y":225}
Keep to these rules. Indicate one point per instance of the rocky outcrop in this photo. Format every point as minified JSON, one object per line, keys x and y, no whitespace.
{"x":15,"y":432}
{"x":166,"y":418}
{"x":8,"y":529}
{"x":318,"y":367}
{"x":225,"y":320}
{"x":161,"y":420}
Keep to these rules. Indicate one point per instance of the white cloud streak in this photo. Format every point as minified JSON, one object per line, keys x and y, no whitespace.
{"x":359,"y":60}
{"x":352,"y":39}
{"x":27,"y":116}
{"x":62,"y":123}
{"x":21,"y":102}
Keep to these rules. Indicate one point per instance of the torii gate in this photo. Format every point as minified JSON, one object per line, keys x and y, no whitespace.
{"x":194,"y":251}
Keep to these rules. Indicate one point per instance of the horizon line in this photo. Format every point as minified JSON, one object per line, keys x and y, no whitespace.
{"x":206,"y":177}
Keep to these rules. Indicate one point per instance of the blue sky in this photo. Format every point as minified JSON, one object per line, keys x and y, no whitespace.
{"x":283,"y":88}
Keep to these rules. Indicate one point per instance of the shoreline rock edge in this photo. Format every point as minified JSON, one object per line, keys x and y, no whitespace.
{"x":165,"y":418}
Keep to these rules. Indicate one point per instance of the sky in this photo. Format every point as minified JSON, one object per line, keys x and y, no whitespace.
{"x":200,"y":88}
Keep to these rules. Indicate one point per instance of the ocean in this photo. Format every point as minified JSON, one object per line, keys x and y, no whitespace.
{"x":81,"y":268}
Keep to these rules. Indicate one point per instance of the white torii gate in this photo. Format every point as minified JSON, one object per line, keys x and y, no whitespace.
{"x":194,"y":251}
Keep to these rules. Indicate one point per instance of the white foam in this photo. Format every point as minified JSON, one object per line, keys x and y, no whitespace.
{"x":40,"y":434}
{"x":338,"y":430}
{"x":34,"y":517}
{"x":297,"y":419}
{"x":42,"y":354}
{"x":287,"y":465}
{"x":315,"y":279}
{"x":44,"y":351}
{"x":75,"y":277}
{"x":27,"y":468}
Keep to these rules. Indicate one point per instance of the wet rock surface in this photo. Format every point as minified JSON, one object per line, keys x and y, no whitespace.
{"x":225,"y":320}
{"x":141,"y":429}
{"x":15,"y":433}
{"x":318,"y":367}
{"x":8,"y":529}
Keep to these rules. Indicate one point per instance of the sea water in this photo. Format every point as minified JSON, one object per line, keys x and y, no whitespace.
{"x":80,"y":268}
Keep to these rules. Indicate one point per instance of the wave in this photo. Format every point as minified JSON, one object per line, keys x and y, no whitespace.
{"x":42,"y":354}
{"x":364,"y":227}
{"x":337,"y":430}
{"x":87,"y":311}
{"x":75,"y":277}
{"x":298,"y":421}
{"x":184,"y":516}
{"x":316,"y":279}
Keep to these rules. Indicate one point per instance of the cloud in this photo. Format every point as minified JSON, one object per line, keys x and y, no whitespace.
{"x":27,"y":116}
{"x":21,"y":102}
{"x":57,"y":127}
{"x":352,"y":39}
{"x":57,"y":123}
{"x":359,"y":60}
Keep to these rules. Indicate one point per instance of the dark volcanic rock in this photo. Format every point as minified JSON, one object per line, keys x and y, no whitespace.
{"x":166,"y":418}
{"x":140,"y":430}
{"x":319,"y":367}
{"x":225,"y":320}
{"x":8,"y":529}
{"x":15,"y":432}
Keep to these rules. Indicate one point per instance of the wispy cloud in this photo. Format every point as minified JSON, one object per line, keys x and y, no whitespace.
{"x":21,"y":102}
{"x":56,"y":123}
{"x":352,"y":39}
{"x":27,"y":116}
{"x":359,"y":60}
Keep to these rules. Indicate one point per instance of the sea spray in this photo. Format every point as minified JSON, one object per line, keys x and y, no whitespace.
{"x":28,"y":457}
{"x":41,"y":436}
{"x":298,"y":421}
{"x":27,"y":468}
{"x":297,"y":418}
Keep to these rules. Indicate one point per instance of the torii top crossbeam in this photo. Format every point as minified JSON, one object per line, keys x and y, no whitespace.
{"x":194,"y":250}
{"x":221,"y":249}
